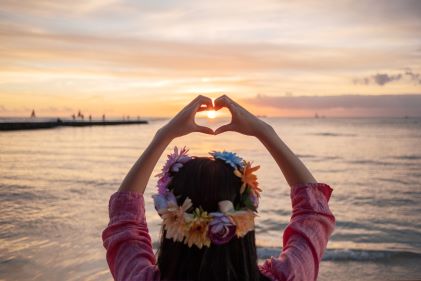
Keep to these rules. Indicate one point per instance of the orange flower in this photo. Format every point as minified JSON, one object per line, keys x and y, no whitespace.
{"x":249,"y":179}
{"x":175,"y":220}
{"x":197,"y":232}
{"x":244,"y":221}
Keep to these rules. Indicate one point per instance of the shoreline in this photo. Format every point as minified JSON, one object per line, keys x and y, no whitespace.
{"x":18,"y":126}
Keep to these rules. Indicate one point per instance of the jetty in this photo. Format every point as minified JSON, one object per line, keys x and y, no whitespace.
{"x":33,"y":125}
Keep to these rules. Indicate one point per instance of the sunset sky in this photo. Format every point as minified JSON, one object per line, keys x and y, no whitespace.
{"x":149,"y":58}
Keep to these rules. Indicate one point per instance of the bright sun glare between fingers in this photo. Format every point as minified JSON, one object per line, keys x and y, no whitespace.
{"x":211,"y":114}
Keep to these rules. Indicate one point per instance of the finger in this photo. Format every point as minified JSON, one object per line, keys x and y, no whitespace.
{"x":219,"y":102}
{"x":224,"y":128}
{"x":205,"y":130}
{"x":204,"y":107}
{"x":224,"y":101}
{"x":202,"y":100}
{"x":194,"y":101}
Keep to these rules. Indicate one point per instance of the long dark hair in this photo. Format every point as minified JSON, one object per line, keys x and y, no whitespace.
{"x":206,"y":182}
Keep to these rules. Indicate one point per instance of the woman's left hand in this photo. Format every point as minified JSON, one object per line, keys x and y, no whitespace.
{"x":183,"y":123}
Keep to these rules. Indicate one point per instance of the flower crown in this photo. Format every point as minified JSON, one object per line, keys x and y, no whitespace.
{"x":198,"y":227}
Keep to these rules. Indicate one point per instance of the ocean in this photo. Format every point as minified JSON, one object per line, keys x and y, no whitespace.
{"x":55,"y":185}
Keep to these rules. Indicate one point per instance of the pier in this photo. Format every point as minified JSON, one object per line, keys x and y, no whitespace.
{"x":34,"y":125}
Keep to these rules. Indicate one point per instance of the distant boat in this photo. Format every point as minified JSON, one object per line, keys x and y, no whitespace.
{"x":316,"y":115}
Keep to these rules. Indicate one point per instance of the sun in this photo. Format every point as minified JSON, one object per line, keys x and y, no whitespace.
{"x":211,"y":114}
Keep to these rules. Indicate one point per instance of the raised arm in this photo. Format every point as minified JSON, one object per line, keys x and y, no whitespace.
{"x":312,"y":223}
{"x":244,"y":122}
{"x":182,"y":124}
{"x":126,"y":238}
{"x":294,"y":170}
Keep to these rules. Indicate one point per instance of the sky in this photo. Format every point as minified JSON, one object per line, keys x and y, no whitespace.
{"x":150,"y":58}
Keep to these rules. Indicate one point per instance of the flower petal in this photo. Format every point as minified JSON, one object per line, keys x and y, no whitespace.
{"x":243,"y":188}
{"x":225,"y":206}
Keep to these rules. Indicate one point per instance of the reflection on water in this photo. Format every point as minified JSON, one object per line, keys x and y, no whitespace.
{"x":55,"y":185}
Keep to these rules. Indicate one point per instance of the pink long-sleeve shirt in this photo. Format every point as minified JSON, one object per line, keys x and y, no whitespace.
{"x":129,"y":248}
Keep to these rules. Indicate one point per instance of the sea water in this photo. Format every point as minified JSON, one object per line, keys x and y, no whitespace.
{"x":55,"y":185}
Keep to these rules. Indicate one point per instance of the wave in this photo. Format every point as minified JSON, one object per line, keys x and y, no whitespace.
{"x":349,"y":254}
{"x":306,"y":156}
{"x":410,"y":161}
{"x":329,"y":134}
{"x":371,"y":162}
{"x":408,"y":157}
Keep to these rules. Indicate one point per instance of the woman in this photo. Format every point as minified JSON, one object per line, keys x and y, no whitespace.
{"x":204,"y":237}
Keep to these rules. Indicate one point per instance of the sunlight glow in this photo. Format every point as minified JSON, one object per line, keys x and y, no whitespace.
{"x":211,"y":114}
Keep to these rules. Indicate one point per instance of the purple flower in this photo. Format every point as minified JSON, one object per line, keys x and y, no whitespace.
{"x":254,"y":200}
{"x":221,"y":229}
{"x":176,"y":167}
{"x":175,"y":161}
{"x":163,"y":201}
{"x":163,"y":183}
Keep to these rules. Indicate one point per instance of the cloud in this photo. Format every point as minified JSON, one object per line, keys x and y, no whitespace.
{"x":47,"y":50}
{"x":51,"y":7}
{"x":346,"y":105}
{"x":141,"y":38}
{"x":154,"y":50}
{"x":383,"y":78}
{"x":327,"y":23}
{"x":416,"y":77}
{"x":379,"y":79}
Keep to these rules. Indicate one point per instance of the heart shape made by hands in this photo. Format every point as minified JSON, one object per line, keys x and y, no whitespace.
{"x":222,"y":117}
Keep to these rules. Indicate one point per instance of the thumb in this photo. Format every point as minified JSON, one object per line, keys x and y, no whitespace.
{"x":224,"y":128}
{"x":205,"y":130}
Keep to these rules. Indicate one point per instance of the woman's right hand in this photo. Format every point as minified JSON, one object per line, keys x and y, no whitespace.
{"x":183,"y":123}
{"x":242,"y":121}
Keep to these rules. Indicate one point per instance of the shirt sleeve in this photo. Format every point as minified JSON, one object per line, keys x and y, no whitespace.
{"x":306,"y":236}
{"x":127,"y":240}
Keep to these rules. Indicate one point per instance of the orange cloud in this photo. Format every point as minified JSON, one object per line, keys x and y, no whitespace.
{"x":154,"y":55}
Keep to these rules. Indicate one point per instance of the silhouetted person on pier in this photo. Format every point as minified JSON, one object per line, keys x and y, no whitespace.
{"x":90,"y":118}
{"x":103,"y":117}
{"x":33,"y":114}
